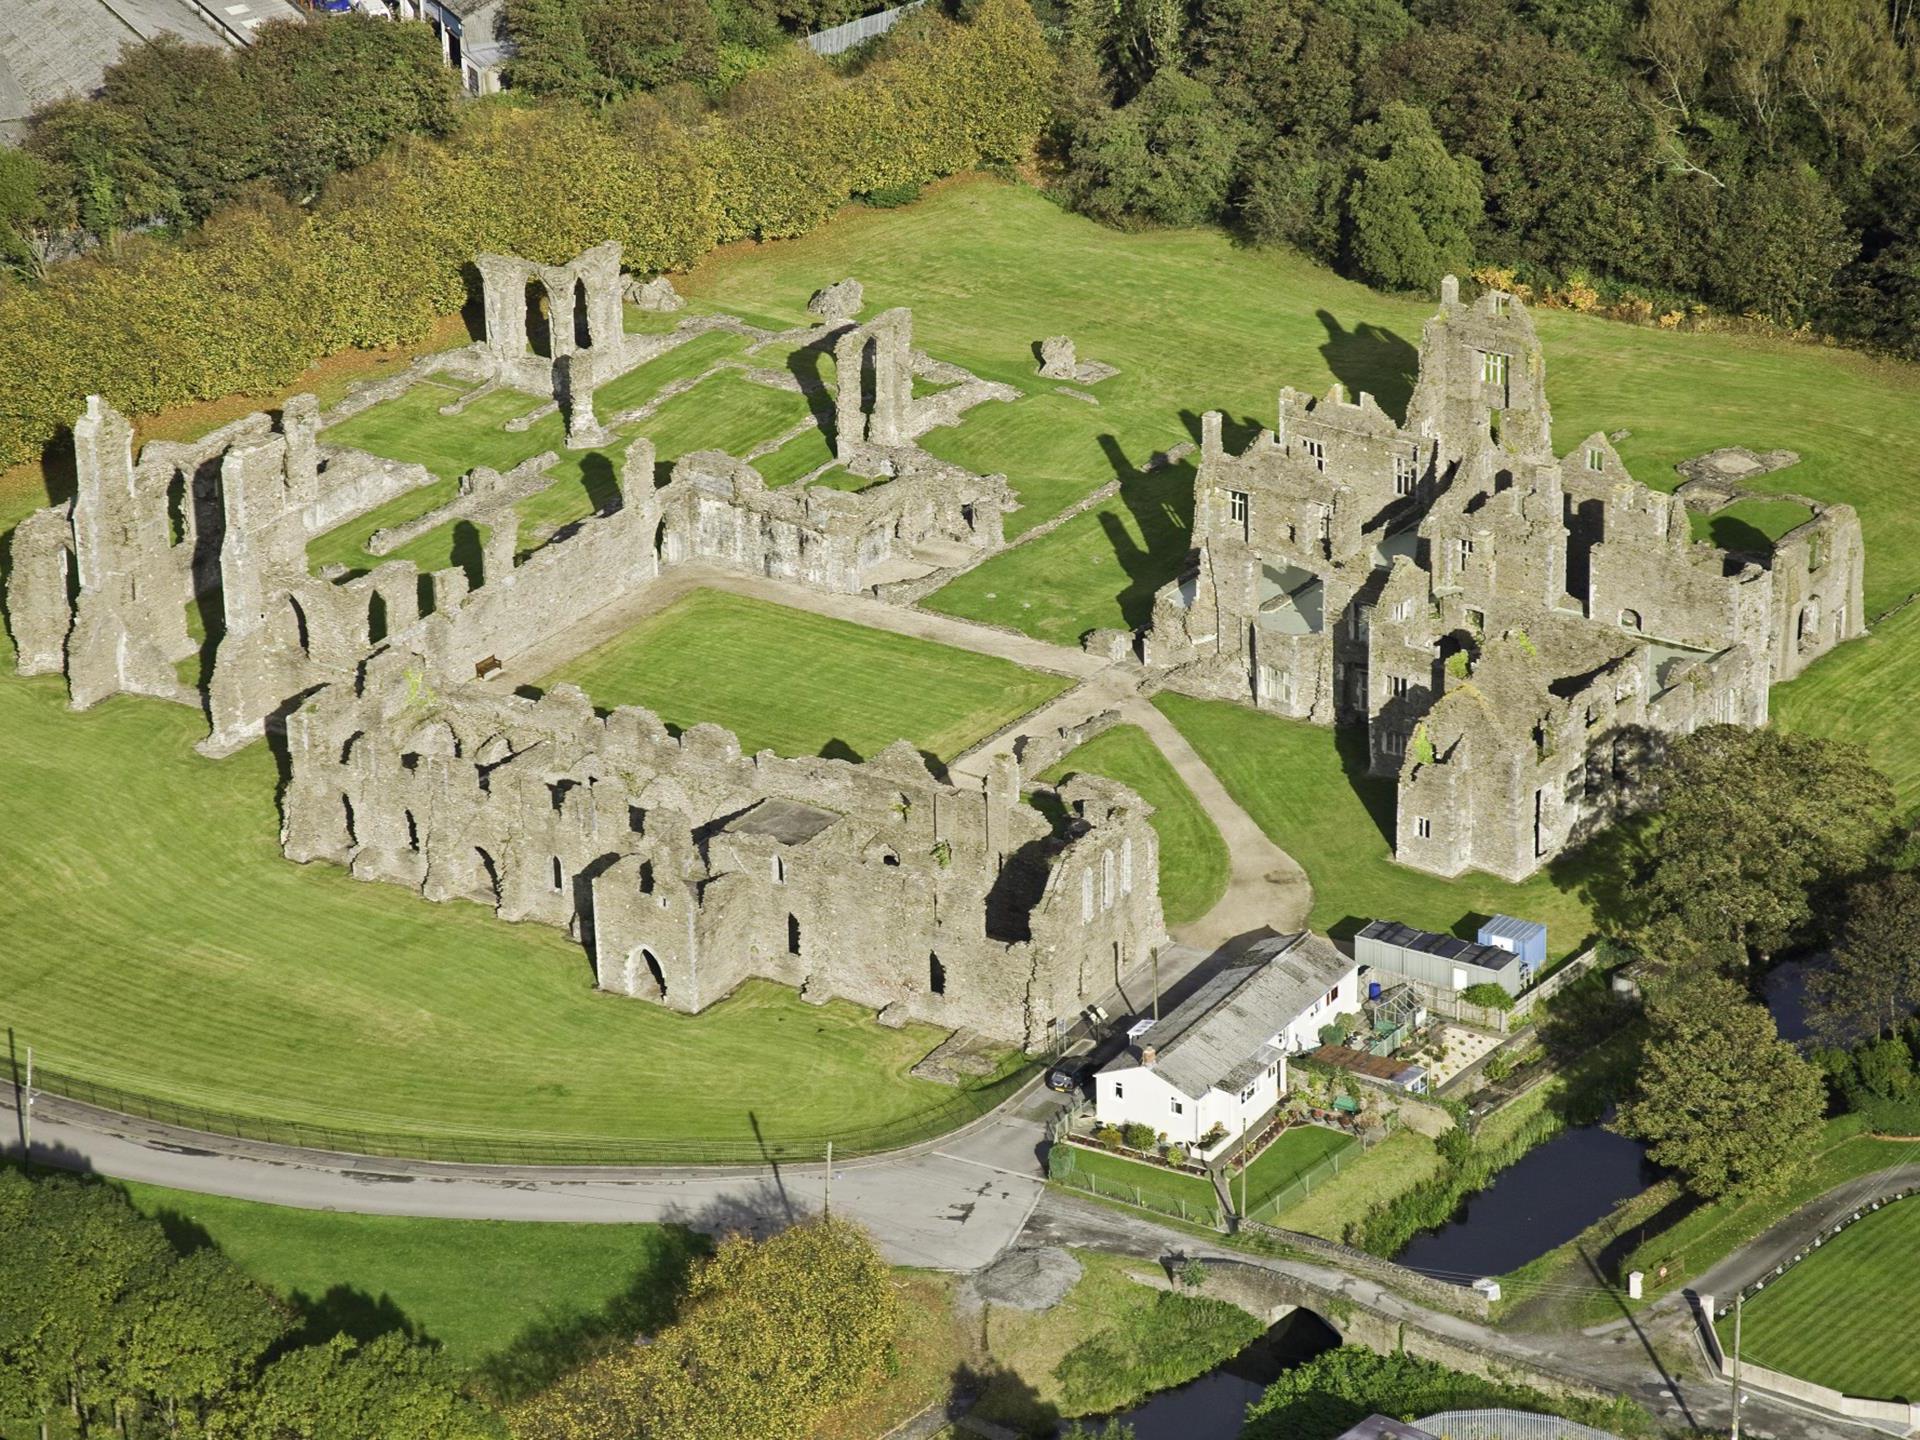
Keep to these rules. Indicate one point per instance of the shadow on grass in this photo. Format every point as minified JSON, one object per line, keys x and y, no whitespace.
{"x":1371,"y":359}
{"x":557,"y":1342}
{"x":808,"y":364}
{"x":1730,"y":532}
{"x":1161,"y":505}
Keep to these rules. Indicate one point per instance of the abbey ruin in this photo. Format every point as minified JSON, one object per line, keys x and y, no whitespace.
{"x":1514,"y":630}
{"x":681,"y":865}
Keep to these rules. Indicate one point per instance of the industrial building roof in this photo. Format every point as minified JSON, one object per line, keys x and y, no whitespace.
{"x":1445,"y":947}
{"x":1518,"y":931}
{"x":1223,"y":1035}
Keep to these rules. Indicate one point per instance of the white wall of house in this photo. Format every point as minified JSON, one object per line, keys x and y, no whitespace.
{"x":1137,"y":1095}
{"x":1303,"y":1031}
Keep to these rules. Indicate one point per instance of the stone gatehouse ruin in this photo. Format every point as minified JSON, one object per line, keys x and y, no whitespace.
{"x":1516,"y":631}
{"x":681,"y":865}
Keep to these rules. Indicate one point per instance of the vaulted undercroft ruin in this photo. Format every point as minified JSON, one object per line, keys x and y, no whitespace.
{"x":1516,"y":631}
{"x":681,"y":865}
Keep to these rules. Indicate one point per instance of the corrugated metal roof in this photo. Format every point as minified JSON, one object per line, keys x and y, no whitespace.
{"x":1222,"y":1035}
{"x":1513,"y":929}
{"x":1446,"y":947}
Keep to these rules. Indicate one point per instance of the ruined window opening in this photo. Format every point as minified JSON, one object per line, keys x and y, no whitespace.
{"x":1500,"y":298}
{"x":1493,"y":367}
{"x":410,"y":761}
{"x":793,"y":934}
{"x":1405,"y":471}
{"x":413,"y":832}
{"x":1316,"y":452}
{"x":646,"y":877}
{"x":1423,"y":827}
{"x":1809,"y":629}
{"x":1629,"y":619}
{"x":936,"y":975}
{"x":1477,"y":620}
{"x":539,"y":338}
{"x":1394,"y":743}
{"x":887,"y":857}
{"x":1238,"y":510}
{"x":376,"y":618}
{"x":779,"y":870}
{"x":1462,"y":552}
{"x":177,"y":508}
{"x":1398,"y":685}
{"x":559,"y":877}
{"x":653,"y":969}
{"x":1596,"y":458}
{"x":557,"y":794}
{"x":582,"y":329}
{"x":636,"y":820}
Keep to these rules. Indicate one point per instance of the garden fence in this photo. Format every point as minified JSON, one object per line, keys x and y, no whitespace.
{"x":1063,"y":1168}
{"x":473,"y":1148}
{"x":857,"y":32}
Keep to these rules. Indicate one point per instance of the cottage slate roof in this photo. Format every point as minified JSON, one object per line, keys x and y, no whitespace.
{"x":1222,"y":1035}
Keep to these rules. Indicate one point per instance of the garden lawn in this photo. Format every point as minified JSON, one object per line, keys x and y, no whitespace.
{"x":805,"y":684}
{"x":1367,"y":1180}
{"x":495,"y":1294}
{"x":1846,"y":1315}
{"x":1135,"y":1183}
{"x":1299,"y":1149}
{"x":1307,"y":787}
{"x":1193,"y":858}
{"x":723,"y":412}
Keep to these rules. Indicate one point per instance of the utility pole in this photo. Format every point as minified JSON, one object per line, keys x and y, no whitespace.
{"x":26,"y":1116}
{"x":1737,"y":1298}
{"x":826,"y":1206}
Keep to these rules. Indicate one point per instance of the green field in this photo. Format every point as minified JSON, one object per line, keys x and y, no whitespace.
{"x":506,"y":1298}
{"x":1307,"y":787}
{"x":1281,"y":1164}
{"x":1193,"y":858}
{"x":1844,"y":1316}
{"x":805,"y":684}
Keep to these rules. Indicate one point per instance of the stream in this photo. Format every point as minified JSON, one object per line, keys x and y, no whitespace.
{"x":1212,"y":1406}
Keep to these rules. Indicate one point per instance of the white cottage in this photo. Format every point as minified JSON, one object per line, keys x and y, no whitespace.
{"x":1219,"y":1058}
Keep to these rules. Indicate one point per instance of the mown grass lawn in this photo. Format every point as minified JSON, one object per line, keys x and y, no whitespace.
{"x":506,"y":1298}
{"x":1306,"y":787}
{"x":1134,"y":1182}
{"x":1846,"y":1315}
{"x":1193,"y":858}
{"x":1864,"y":692}
{"x":805,"y":684}
{"x":155,"y":937}
{"x":1366,"y":1180}
{"x":1282,"y":1163}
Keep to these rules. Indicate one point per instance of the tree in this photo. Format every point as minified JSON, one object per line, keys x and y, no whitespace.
{"x":772,"y":1335}
{"x":1721,"y":1099}
{"x":1871,"y":985}
{"x":1167,"y":157}
{"x":1411,"y":207}
{"x":345,"y":1390}
{"x":1753,"y":834}
{"x":1783,"y":241}
{"x":98,"y":177}
{"x":22,"y":208}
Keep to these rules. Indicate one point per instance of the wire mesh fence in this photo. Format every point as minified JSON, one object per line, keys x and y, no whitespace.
{"x":1506,"y":1425}
{"x":475,"y":1148}
{"x":1064,"y":1167}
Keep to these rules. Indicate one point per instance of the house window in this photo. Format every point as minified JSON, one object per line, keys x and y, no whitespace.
{"x":1246,"y":1094}
{"x":1462,"y":551}
{"x":1493,"y":367}
{"x":1119,"y":1091}
{"x":1333,"y":994}
{"x":1237,"y":508}
{"x":1178,"y":1109}
{"x":1596,"y":458}
{"x":1316,"y":452}
{"x":1399,"y":685}
{"x":1405,"y":468}
{"x":1423,"y":827}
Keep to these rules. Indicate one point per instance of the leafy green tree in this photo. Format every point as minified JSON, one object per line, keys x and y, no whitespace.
{"x":1871,"y":985}
{"x":600,"y":50}
{"x":1167,"y":157}
{"x":1753,"y":833}
{"x":23,"y":209}
{"x":771,"y":1336}
{"x":345,"y":1390}
{"x":195,"y":120}
{"x":1721,"y":1099}
{"x":1410,"y":207}
{"x":1783,"y":242}
{"x":331,"y":97}
{"x":97,"y":175}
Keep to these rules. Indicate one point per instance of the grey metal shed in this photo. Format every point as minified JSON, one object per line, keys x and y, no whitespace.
{"x":1442,"y":961}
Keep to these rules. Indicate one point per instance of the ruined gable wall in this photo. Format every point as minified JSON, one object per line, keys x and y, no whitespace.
{"x":1816,"y":598}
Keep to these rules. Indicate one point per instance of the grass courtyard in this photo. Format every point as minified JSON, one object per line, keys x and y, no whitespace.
{"x":1845,"y":1316}
{"x":1193,"y":858}
{"x":804,"y":684}
{"x":1306,"y":786}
